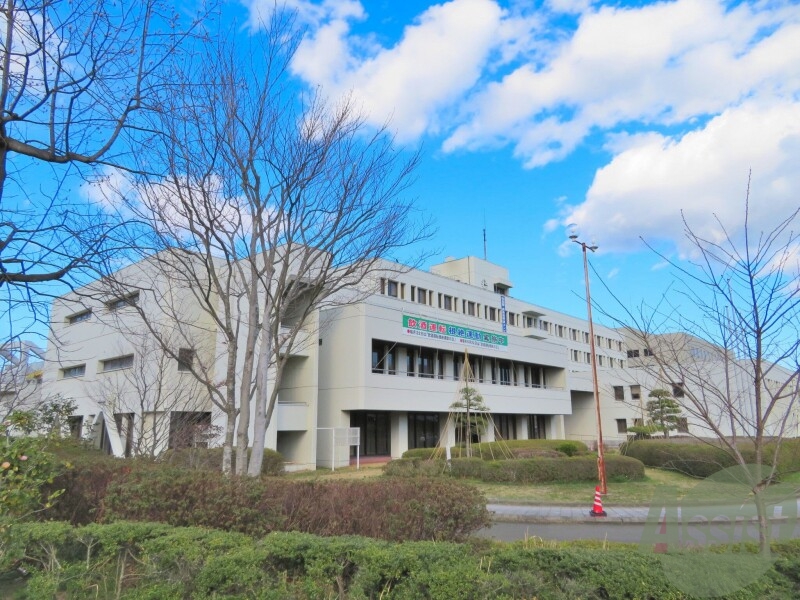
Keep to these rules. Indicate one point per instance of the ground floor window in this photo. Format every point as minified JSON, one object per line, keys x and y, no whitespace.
{"x":505,"y":426}
{"x":375,"y":432}
{"x":537,"y":427}
{"x":124,"y":423}
{"x":622,"y":426}
{"x":189,"y":429}
{"x":423,"y":430}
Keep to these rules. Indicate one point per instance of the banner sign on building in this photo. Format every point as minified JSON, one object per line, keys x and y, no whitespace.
{"x":457,"y":334}
{"x":503,"y":314}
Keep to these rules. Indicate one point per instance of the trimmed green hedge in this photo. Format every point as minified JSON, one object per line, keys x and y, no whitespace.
{"x":532,"y":470}
{"x":111,"y":490}
{"x":701,"y":459}
{"x":155,"y":561}
{"x":497,"y":450}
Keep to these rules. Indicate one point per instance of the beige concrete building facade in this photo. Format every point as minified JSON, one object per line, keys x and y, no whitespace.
{"x":386,"y":360}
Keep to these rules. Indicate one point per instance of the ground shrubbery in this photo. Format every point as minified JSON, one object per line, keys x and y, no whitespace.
{"x":701,"y":459}
{"x":210,"y":459}
{"x":146,"y":560}
{"x":533,"y":470}
{"x":499,"y":450}
{"x":106,"y":489}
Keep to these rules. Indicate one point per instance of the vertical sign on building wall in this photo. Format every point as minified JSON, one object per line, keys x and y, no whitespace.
{"x":503,"y":316}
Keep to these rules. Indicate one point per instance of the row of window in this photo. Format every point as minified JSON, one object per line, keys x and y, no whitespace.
{"x":682,"y":425}
{"x":636,"y":392}
{"x":111,"y":306}
{"x":635,"y":353}
{"x":397,"y":289}
{"x":602,"y":359}
{"x":185,"y":362}
{"x":432,"y":363}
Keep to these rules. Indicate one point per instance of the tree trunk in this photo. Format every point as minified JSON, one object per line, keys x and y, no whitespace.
{"x":261,"y":420}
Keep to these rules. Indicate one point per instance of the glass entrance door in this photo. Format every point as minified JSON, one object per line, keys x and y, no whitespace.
{"x":375,"y":432}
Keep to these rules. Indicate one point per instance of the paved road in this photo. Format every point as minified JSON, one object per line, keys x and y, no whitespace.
{"x":622,"y":524}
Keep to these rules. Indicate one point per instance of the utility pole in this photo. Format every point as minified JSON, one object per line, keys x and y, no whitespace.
{"x":601,"y":463}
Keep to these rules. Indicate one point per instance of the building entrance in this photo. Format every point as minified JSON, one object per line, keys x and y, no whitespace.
{"x":375,"y":432}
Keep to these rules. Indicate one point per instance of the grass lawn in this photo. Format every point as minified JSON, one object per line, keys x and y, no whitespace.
{"x":636,"y":493}
{"x":632,"y":493}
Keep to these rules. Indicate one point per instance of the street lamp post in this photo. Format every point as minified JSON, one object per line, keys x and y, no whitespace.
{"x":601,"y":463}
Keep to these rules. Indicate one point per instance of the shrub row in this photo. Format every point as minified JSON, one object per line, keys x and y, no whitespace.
{"x":701,"y":459}
{"x":499,"y":450}
{"x":111,"y":490}
{"x":145,"y":560}
{"x":210,"y":459}
{"x":532,"y":470}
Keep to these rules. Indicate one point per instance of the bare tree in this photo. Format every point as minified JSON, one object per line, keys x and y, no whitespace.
{"x":74,"y":76}
{"x":731,"y":359}
{"x":143,"y":394}
{"x":271,"y":208}
{"x":20,"y":377}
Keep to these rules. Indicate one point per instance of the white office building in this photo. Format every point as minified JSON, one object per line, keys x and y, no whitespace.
{"x":388,"y":363}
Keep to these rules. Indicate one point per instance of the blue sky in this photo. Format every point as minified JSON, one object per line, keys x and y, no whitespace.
{"x":618,"y":117}
{"x":614,"y":116}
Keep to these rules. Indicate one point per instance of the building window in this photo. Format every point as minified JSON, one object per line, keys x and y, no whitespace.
{"x":75,"y":425}
{"x":422,"y":296}
{"x":457,"y":366}
{"x":683,"y":425}
{"x":425,"y":362}
{"x":537,"y":429}
{"x":470,"y":309}
{"x":423,"y":430}
{"x":384,"y":357}
{"x":648,"y":352}
{"x":505,"y":373}
{"x":636,"y":392}
{"x":633,"y":354}
{"x":115,"y":364}
{"x":512,"y":319}
{"x":122,"y":302}
{"x":189,"y":429}
{"x":492,"y":313}
{"x":622,"y":426}
{"x":391,"y":288}
{"x":505,"y":427}
{"x":619,"y":393}
{"x":410,"y":362}
{"x":74,"y":371}
{"x":79,"y":317}
{"x":527,"y":321}
{"x":185,"y":359}
{"x":677,"y":390}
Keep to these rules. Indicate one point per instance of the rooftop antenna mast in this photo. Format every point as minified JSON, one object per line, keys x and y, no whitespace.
{"x":484,"y":235}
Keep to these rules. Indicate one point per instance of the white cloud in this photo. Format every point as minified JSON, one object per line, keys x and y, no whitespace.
{"x":644,"y":189}
{"x":663,"y":63}
{"x":419,"y":82}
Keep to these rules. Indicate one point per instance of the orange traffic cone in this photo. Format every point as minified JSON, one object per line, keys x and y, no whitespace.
{"x":661,"y":547}
{"x":597,"y":509}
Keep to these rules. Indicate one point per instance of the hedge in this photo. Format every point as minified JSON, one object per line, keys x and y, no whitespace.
{"x":210,"y":459}
{"x":499,"y":450}
{"x":145,"y":560}
{"x":533,"y":470}
{"x":111,"y":490}
{"x":701,"y":459}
